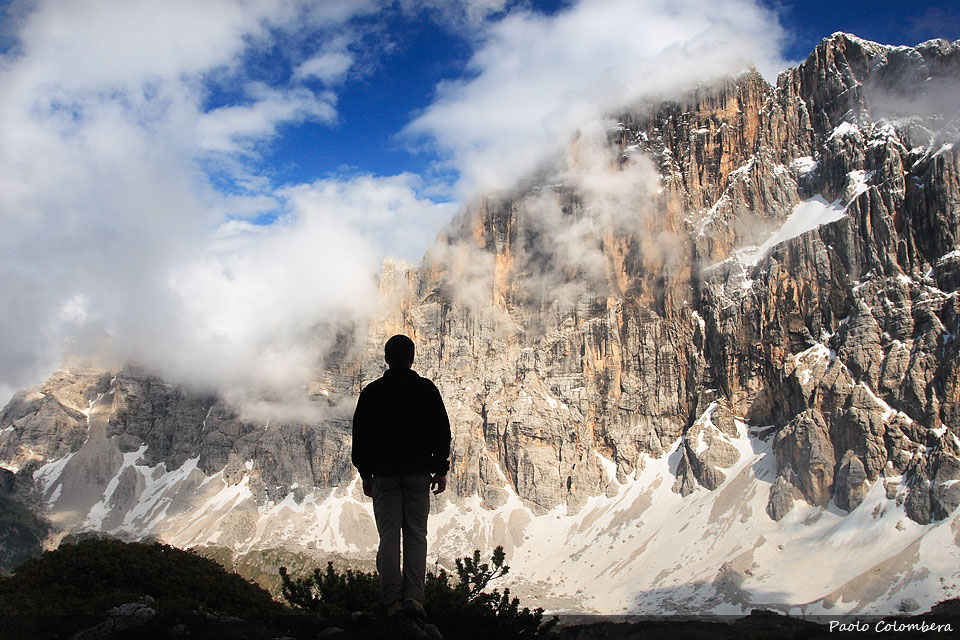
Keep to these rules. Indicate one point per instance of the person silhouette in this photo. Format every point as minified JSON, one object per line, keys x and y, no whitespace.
{"x":401,"y":446}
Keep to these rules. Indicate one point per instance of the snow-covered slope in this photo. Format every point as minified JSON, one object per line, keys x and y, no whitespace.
{"x":644,"y":548}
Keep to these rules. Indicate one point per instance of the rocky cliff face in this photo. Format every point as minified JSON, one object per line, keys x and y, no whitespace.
{"x":742,"y":304}
{"x":797,"y":266}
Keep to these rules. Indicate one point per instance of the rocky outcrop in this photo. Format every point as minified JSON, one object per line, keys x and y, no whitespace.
{"x":803,"y":446}
{"x":851,"y":483}
{"x":707,"y":449}
{"x":782,"y":495}
{"x":90,"y":419}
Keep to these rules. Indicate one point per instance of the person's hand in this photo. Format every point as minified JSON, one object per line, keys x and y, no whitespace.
{"x":438,"y":483}
{"x":367,"y":487}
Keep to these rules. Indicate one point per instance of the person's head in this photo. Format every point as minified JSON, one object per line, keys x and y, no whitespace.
{"x":398,"y":352}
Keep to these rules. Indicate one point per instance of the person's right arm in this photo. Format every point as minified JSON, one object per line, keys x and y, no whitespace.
{"x":360,"y":453}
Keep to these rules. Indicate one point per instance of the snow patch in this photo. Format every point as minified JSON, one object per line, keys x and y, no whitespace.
{"x":160,"y":493}
{"x":947,"y":147}
{"x":550,"y":400}
{"x":804,"y":164}
{"x":807,"y":216}
{"x":888,"y":411}
{"x":702,"y":445}
{"x":228,"y":496}
{"x":808,"y":359}
{"x":743,"y":169}
{"x":711,"y":214}
{"x":641,"y":549}
{"x":101,"y":509}
{"x":845,"y":129}
{"x":700,"y":321}
{"x":609,"y":466}
{"x":858,"y":184}
{"x":49,"y":474}
{"x":953,"y":255}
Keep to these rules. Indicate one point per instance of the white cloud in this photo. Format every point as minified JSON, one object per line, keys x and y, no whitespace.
{"x":388,"y":210}
{"x":120,"y":193}
{"x":567,"y":241}
{"x":232,"y":128}
{"x":537,"y":78}
{"x":87,"y":44}
{"x":260,"y":306}
{"x":329,"y":67}
{"x":465,"y":16}
{"x":126,"y":200}
{"x":257,"y":308}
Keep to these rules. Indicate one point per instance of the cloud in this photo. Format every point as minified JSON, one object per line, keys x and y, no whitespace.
{"x":260,"y":307}
{"x":233,"y":128}
{"x":923,"y":103}
{"x":123,"y":196}
{"x":465,"y":17}
{"x":331,"y":63}
{"x":536,"y":78}
{"x":328,"y":67}
{"x":387,"y":210}
{"x":536,"y":106}
{"x":130,"y":183}
{"x":257,"y":309}
{"x":559,"y":232}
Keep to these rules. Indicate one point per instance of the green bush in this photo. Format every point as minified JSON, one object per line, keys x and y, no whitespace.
{"x":332,"y":593}
{"x":461,"y":606}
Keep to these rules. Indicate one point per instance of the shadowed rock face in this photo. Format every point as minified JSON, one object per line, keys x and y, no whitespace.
{"x":804,"y":447}
{"x":96,"y":418}
{"x":21,"y":532}
{"x":779,"y":256}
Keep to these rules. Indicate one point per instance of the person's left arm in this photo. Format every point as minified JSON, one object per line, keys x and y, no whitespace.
{"x":360,"y":451}
{"x":440,"y":441}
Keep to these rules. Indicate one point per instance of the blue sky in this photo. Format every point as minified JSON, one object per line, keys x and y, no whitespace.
{"x":204,"y":186}
{"x":402,"y":82}
{"x":907,"y":22}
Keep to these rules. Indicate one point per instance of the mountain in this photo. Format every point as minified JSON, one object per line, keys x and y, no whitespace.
{"x":706,"y":360}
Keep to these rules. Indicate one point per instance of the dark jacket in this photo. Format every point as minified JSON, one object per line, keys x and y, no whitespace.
{"x":400,"y":427}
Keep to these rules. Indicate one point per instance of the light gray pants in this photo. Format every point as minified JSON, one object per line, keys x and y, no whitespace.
{"x":401,"y":503}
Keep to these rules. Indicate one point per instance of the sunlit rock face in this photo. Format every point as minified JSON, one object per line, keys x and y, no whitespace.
{"x":790,"y":250}
{"x":739,"y":305}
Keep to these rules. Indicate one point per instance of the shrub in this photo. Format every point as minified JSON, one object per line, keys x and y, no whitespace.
{"x":462,"y":606}
{"x":330,"y":592}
